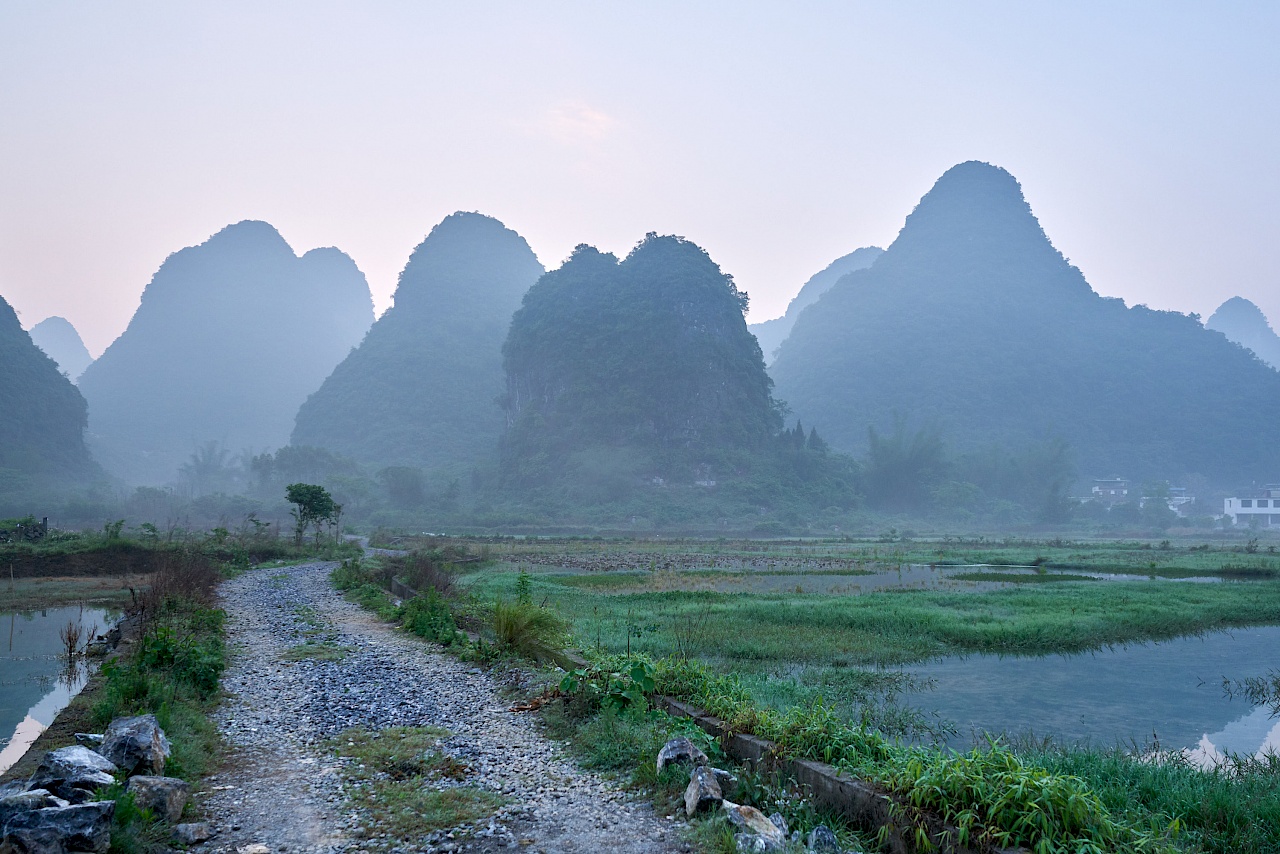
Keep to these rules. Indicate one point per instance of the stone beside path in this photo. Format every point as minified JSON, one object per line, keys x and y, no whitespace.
{"x":281,"y":789}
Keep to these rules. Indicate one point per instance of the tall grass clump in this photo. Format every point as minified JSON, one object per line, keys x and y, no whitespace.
{"x":529,"y":631}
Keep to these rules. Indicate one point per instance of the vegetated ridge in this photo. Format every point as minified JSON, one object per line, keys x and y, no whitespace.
{"x":421,"y":389}
{"x":229,"y":339}
{"x":972,"y":320}
{"x":634,"y":379}
{"x":42,"y":419}
{"x":1245,"y":324}
{"x":771,"y":333}
{"x":60,"y":340}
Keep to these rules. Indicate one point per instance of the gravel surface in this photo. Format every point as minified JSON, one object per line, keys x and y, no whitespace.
{"x":280,"y":788}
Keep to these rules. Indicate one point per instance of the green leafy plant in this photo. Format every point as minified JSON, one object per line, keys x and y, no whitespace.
{"x":618,"y":690}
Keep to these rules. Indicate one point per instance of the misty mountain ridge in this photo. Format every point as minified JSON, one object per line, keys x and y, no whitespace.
{"x":421,"y":389}
{"x":60,"y":340}
{"x":1245,"y":324}
{"x":771,"y":333}
{"x":229,"y":338}
{"x":42,"y":421}
{"x":972,"y":320}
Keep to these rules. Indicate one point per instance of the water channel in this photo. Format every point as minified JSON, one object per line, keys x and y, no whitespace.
{"x":35,"y":680}
{"x":1170,"y":692}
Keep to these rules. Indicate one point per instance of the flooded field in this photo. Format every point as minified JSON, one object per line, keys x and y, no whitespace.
{"x":36,"y":681}
{"x":1136,"y":695}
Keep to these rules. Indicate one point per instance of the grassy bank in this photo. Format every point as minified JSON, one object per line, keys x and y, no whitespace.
{"x":169,"y":666}
{"x":762,"y":631}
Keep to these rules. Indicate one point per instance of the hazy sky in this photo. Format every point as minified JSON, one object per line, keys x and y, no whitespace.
{"x":778,"y":136}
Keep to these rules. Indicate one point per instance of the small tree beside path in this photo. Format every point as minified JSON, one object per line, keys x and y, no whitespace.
{"x":312,"y":505}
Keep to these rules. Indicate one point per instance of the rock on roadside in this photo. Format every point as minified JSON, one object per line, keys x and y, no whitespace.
{"x":680,"y":751}
{"x":164,"y":796}
{"x":81,"y":827}
{"x":73,"y":773}
{"x":136,"y":744}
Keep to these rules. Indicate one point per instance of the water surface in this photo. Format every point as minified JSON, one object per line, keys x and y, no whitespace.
{"x":1170,"y":693}
{"x":35,"y":680}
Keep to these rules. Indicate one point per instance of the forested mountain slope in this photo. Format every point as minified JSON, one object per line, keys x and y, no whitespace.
{"x":973,"y":320}
{"x":421,"y":389}
{"x":60,"y":340}
{"x":42,"y":419}
{"x":229,"y":339}
{"x":771,"y":333}
{"x":644,"y":365}
{"x":1244,"y":323}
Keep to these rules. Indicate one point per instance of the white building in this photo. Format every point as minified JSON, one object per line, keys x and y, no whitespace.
{"x":1261,"y":507}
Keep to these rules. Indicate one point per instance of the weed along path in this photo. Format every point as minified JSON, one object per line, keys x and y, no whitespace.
{"x":343,"y":734}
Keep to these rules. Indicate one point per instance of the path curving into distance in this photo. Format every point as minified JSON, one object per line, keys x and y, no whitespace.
{"x":281,"y":787}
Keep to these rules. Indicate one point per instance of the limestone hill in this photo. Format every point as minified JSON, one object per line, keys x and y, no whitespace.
{"x":421,"y":389}
{"x":43,"y":418}
{"x":60,"y":340}
{"x":771,"y":333}
{"x":1244,"y":323}
{"x":229,"y":339}
{"x":974,"y":321}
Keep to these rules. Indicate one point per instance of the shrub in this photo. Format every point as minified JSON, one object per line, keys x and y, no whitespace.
{"x":428,"y":616}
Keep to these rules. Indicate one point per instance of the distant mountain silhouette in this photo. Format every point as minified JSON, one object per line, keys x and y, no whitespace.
{"x":42,"y":420}
{"x":59,"y":339}
{"x":421,"y":389}
{"x":229,"y":339}
{"x":771,"y":333}
{"x":632,"y":369}
{"x":1244,"y":323}
{"x":972,"y":320}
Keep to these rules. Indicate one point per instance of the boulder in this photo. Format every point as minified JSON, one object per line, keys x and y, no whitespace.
{"x":164,"y":796}
{"x":779,"y":822}
{"x":703,"y":792}
{"x":728,"y":782}
{"x":89,"y":739}
{"x":680,"y":751}
{"x":32,"y":799}
{"x":192,"y":833}
{"x":136,"y":744}
{"x":32,"y":841}
{"x":822,"y":841}
{"x":80,"y":827}
{"x":751,"y":822}
{"x":13,"y":787}
{"x":73,"y":773}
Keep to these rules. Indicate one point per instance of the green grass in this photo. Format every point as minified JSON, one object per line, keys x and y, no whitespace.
{"x":405,"y":786}
{"x":889,"y":628}
{"x":1218,"y":811}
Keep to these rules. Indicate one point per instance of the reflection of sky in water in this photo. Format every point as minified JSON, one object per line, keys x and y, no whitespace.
{"x":1260,"y":727}
{"x":34,"y":681}
{"x":1171,"y":690}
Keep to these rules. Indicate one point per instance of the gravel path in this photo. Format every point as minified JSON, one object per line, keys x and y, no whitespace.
{"x":281,"y":789}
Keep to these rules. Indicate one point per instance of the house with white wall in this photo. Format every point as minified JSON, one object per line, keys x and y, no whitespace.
{"x":1260,"y":507}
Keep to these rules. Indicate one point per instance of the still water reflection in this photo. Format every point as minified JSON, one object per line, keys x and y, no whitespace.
{"x":35,"y":680}
{"x":1170,"y":692}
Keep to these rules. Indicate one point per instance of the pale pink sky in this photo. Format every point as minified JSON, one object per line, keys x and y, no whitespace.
{"x":778,"y":136}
